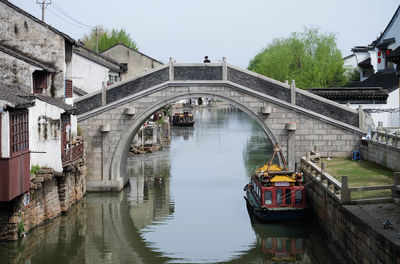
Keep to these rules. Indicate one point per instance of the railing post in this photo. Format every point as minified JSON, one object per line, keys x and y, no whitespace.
{"x":323,"y":167}
{"x":293,"y":93}
{"x":224,"y":69}
{"x":361,"y":118}
{"x":171,"y":69}
{"x":104,"y":94}
{"x":395,"y":192}
{"x":308,"y":156}
{"x":345,"y":193}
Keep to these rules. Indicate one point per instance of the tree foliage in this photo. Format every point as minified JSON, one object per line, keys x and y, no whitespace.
{"x":310,"y":58}
{"x":108,"y":39}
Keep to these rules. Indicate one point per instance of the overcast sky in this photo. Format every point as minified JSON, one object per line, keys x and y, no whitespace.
{"x":187,"y":30}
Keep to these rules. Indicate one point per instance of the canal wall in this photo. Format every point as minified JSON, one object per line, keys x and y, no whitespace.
{"x":382,"y":148}
{"x":351,"y":229}
{"x":51,"y":193}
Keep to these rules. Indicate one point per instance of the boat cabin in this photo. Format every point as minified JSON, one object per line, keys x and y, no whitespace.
{"x":278,"y":192}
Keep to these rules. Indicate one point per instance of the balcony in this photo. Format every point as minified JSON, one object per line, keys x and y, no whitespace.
{"x":72,"y":152}
{"x":14,"y":176}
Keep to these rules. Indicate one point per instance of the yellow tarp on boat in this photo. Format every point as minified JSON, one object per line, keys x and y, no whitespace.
{"x":273,"y":167}
{"x":282,"y":178}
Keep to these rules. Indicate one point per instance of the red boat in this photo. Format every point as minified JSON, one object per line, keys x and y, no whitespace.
{"x":275,"y":193}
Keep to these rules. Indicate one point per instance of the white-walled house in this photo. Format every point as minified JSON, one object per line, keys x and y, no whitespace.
{"x":37,"y":121}
{"x":379,"y":66}
{"x":91,"y":71}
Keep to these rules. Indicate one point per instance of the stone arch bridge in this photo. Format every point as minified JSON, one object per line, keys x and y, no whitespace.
{"x":110,"y":118}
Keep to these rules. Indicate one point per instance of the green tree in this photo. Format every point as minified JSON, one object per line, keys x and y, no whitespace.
{"x":310,"y":58}
{"x":107,"y":39}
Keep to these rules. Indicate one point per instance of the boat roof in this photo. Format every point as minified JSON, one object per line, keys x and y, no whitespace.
{"x":282,"y":178}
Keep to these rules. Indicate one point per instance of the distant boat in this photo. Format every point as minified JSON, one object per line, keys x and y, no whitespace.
{"x":275,"y":193}
{"x":183,"y":119}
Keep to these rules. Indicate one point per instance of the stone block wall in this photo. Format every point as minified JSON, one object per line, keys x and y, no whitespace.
{"x":382,"y":154}
{"x":356,"y":238}
{"x":51,"y":194}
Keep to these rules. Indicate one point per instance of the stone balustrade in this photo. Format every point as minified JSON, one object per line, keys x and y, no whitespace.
{"x":386,"y":138}
{"x":341,"y":191}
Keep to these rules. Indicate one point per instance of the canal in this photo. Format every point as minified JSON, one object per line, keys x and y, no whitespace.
{"x":184,"y":204}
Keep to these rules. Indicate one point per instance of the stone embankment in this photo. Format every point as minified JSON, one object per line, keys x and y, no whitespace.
{"x":357,"y":231}
{"x":51,"y":193}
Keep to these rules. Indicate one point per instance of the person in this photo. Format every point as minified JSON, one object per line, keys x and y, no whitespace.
{"x":206,"y":60}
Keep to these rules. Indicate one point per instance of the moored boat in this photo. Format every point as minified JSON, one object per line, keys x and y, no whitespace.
{"x":275,"y":193}
{"x":183,"y":119}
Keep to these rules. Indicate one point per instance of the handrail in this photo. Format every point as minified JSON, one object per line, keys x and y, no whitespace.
{"x":72,"y":152}
{"x":385,"y":138}
{"x":340,"y":190}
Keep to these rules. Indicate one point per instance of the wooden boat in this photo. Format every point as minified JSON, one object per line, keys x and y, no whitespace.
{"x":275,"y":193}
{"x":183,"y":119}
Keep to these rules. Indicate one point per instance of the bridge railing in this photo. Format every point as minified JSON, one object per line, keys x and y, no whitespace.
{"x":341,"y":190}
{"x":72,"y":152}
{"x":386,"y":138}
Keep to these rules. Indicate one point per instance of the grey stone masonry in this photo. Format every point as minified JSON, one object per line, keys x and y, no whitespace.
{"x":109,"y":130}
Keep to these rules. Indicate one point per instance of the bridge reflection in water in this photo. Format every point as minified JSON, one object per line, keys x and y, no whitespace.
{"x":184,"y":205}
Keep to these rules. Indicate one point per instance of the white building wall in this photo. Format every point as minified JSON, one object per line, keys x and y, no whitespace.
{"x":45,"y":135}
{"x":88,"y":75}
{"x":5,"y":134}
{"x":351,"y":62}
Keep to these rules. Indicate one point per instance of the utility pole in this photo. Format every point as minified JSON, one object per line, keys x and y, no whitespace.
{"x":97,"y":30}
{"x":43,"y":4}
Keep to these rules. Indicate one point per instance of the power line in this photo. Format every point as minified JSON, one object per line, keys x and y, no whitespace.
{"x":62,"y":12}
{"x":66,"y":20}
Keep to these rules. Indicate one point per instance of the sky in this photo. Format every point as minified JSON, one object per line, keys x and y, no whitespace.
{"x":188,"y":30}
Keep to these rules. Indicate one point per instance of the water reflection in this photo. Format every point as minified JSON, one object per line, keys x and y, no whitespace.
{"x":184,"y":204}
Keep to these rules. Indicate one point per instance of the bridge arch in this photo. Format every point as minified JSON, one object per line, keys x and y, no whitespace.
{"x":108,"y":129}
{"x":118,"y":163}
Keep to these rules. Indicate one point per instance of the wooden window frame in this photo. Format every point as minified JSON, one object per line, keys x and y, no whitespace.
{"x":69,"y":93}
{"x":19,"y":132}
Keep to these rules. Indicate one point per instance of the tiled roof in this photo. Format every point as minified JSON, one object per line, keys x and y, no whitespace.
{"x":25,"y":58}
{"x":79,"y":91}
{"x":365,"y":63}
{"x":385,"y":43}
{"x":70,"y":109}
{"x":98,"y":58}
{"x":353,"y":95}
{"x":15,"y":98}
{"x":385,"y":79}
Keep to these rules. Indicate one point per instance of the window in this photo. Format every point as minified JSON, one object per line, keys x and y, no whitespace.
{"x":39,"y":81}
{"x":278,"y":196}
{"x":268,"y":197}
{"x":68,"y":88}
{"x":299,"y":197}
{"x":288,"y":196}
{"x":19,"y":127}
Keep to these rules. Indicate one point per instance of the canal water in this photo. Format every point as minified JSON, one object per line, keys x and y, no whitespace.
{"x":184,"y":204}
